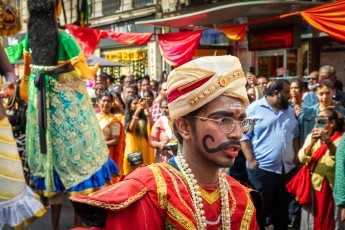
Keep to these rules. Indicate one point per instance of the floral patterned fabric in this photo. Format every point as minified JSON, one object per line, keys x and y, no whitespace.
{"x":75,"y":145}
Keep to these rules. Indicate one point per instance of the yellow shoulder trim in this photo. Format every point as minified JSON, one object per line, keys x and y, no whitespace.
{"x":161,"y":186}
{"x":178,"y":216}
{"x":248,"y":213}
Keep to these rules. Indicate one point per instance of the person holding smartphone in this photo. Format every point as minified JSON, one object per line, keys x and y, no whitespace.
{"x":137,"y":123}
{"x":306,"y":118}
{"x":318,"y":152}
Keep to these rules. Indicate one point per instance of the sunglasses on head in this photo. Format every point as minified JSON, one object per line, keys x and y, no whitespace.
{"x":325,"y":83}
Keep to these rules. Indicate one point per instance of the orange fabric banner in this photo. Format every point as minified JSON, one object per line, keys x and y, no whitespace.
{"x":179,"y":47}
{"x":235,"y":32}
{"x":328,"y":18}
{"x":87,"y":38}
{"x":130,"y":38}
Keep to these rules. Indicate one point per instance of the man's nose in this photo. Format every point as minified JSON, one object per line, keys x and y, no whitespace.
{"x":236,"y":133}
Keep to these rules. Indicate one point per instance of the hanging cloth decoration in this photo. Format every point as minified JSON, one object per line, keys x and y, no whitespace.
{"x":87,"y":38}
{"x":130,"y":38}
{"x":234,"y":32}
{"x":328,"y":18}
{"x":179,"y":48}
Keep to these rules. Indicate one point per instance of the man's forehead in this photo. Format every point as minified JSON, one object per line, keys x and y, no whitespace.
{"x":234,"y":107}
{"x":129,"y":90}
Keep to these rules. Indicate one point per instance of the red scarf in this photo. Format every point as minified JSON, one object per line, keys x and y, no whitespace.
{"x":300,"y":184}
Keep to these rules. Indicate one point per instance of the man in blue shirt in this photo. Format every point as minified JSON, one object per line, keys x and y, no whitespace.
{"x":270,"y":150}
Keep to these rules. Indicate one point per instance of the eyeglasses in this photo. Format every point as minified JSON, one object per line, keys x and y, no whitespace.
{"x":227,"y":124}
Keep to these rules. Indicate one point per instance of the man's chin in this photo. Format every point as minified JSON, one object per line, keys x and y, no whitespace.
{"x":228,"y":163}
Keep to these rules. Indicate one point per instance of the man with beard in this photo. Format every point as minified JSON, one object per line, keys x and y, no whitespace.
{"x":312,"y":80}
{"x":270,"y":150}
{"x":206,"y":100}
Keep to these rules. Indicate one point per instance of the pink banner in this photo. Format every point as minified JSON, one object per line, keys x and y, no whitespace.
{"x":179,"y":48}
{"x":130,"y":38}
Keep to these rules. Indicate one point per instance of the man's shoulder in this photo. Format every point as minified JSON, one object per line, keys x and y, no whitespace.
{"x":254,"y":104}
{"x":122,"y":194}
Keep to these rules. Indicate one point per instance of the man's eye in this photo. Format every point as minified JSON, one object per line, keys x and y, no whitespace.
{"x":224,"y":120}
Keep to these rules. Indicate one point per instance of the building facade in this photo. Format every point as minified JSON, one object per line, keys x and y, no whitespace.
{"x":309,"y":49}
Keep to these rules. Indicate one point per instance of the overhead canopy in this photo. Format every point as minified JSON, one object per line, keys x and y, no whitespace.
{"x":224,"y":15}
{"x":93,"y":60}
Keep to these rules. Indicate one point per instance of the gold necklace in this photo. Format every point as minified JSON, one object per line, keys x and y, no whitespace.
{"x":224,"y":187}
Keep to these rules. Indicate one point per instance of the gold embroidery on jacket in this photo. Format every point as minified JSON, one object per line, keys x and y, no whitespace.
{"x":119,"y":206}
{"x":161,"y":186}
{"x":210,"y":197}
{"x":248,"y":214}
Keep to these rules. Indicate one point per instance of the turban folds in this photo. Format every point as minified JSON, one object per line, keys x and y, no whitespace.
{"x":199,"y":81}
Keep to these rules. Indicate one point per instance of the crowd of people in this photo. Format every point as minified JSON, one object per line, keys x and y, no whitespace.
{"x":298,"y":128}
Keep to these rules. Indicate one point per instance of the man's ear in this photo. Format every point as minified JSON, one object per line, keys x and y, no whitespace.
{"x":276,"y":92}
{"x":184,"y":127}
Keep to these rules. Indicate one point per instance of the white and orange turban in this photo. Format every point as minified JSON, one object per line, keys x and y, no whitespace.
{"x":199,"y":81}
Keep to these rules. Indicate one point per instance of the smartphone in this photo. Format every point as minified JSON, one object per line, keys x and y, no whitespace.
{"x":320,"y":123}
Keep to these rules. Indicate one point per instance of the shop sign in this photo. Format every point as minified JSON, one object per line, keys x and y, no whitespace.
{"x":126,"y":55}
{"x":332,"y":46}
{"x":281,"y":71}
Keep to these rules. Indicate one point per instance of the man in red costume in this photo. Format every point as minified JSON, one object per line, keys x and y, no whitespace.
{"x":207,"y":98}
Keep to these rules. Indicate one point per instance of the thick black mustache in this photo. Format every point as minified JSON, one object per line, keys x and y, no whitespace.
{"x":220,"y":147}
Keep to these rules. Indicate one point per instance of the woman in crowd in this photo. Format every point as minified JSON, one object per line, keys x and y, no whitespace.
{"x":318,"y":152}
{"x":251,"y":94}
{"x":324,"y":93}
{"x":162,"y":134}
{"x":296,"y":92}
{"x":148,"y":97}
{"x":119,"y":106}
{"x":138,"y":123}
{"x":112,"y":130}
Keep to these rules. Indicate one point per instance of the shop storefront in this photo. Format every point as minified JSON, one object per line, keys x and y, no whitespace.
{"x":135,"y":60}
{"x":134,"y":57}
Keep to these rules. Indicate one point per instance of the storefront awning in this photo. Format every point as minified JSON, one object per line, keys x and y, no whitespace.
{"x":225,"y":15}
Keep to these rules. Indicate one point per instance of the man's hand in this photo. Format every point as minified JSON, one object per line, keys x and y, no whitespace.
{"x":253,"y":164}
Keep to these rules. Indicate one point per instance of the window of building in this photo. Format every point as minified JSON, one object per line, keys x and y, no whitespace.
{"x":16,"y":4}
{"x":110,"y":6}
{"x":141,"y":3}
